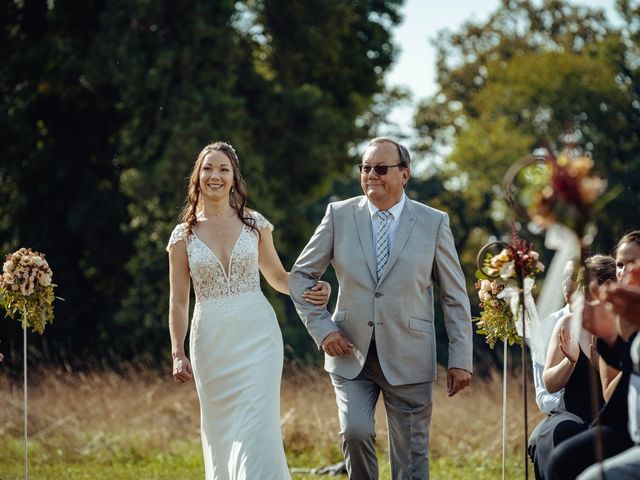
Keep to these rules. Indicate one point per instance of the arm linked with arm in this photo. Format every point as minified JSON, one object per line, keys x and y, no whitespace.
{"x":309,"y":267}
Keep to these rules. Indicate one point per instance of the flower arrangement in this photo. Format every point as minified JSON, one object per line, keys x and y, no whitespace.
{"x":515,"y":258}
{"x":501,"y":278}
{"x":26,"y":288}
{"x":496,"y":320}
{"x":562,"y":190}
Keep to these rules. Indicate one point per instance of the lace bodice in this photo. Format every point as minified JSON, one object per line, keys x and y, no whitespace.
{"x":210,"y":281}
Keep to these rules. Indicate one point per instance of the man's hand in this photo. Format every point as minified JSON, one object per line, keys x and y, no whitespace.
{"x":457,"y":379}
{"x":336,"y":344}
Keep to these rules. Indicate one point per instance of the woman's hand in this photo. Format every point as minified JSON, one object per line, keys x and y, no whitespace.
{"x":598,"y":319}
{"x":181,"y":368}
{"x":318,"y":294}
{"x":570,"y":349}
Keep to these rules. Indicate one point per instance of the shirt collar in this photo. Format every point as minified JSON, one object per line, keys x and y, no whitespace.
{"x":396,"y":210}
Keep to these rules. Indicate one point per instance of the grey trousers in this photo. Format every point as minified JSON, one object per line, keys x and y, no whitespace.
{"x":408,"y":409}
{"x":624,"y":466}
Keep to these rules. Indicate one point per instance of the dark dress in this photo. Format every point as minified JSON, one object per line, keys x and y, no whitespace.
{"x":578,"y":453}
{"x":573,"y":418}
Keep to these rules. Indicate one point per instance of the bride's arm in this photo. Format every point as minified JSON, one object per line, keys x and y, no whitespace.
{"x":275,"y":274}
{"x":179,"y":284}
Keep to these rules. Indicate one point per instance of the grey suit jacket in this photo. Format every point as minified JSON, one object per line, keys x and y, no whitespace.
{"x":398,"y":308}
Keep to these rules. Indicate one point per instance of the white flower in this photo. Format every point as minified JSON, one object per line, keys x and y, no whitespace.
{"x":27,"y":288}
{"x":507,"y":270}
{"x":8,"y":278}
{"x":37,"y":260}
{"x":44,"y":280}
{"x":8,"y":266}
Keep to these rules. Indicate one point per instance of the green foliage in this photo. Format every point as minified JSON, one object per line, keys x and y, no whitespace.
{"x":184,"y":461}
{"x":521,"y":79}
{"x":59,"y":179}
{"x":106,"y":105}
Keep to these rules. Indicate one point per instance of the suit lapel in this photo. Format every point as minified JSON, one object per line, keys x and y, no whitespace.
{"x":365,"y":233}
{"x":407,"y":222}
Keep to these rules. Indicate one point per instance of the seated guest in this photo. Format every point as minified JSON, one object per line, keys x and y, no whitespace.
{"x":616,"y":335}
{"x":569,"y":361}
{"x":624,"y":300}
{"x":546,"y":401}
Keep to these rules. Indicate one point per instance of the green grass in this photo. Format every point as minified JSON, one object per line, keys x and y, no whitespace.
{"x":101,"y":425}
{"x":184,"y":462}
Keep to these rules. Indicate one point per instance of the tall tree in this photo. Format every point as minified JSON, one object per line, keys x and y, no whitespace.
{"x":524,"y":77}
{"x":106,"y":105}
{"x":59,"y":181}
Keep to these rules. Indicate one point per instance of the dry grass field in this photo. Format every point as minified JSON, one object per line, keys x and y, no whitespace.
{"x":137,"y":424}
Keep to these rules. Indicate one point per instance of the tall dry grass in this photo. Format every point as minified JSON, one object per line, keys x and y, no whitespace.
{"x":139,"y":409}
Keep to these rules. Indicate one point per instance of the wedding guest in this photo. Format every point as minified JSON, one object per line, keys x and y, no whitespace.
{"x":624,"y":300}
{"x":545,"y":400}
{"x":569,"y":361}
{"x":625,"y":465}
{"x":616,"y":335}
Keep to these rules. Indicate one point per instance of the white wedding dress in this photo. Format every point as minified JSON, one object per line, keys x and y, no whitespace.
{"x":236,"y":355}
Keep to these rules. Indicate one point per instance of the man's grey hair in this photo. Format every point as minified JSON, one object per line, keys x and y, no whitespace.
{"x":403,"y":153}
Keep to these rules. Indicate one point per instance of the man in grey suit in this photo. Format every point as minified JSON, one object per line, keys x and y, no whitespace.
{"x":387,"y":252}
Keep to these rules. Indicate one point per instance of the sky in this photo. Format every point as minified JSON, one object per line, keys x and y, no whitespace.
{"x":415,"y":65}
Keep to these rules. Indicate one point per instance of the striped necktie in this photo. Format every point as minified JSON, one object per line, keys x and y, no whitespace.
{"x":382,"y":239}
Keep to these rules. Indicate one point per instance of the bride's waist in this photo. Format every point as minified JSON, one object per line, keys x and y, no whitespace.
{"x":244,"y":298}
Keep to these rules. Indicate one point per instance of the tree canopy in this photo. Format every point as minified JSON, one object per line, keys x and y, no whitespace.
{"x":107,"y":104}
{"x":525,"y":77}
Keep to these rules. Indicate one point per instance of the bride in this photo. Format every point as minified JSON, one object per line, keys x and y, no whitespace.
{"x":235,"y":342}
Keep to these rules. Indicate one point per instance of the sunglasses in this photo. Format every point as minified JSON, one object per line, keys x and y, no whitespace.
{"x":379,"y":169}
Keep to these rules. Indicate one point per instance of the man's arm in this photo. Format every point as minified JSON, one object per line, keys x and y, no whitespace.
{"x":454,"y":299}
{"x":311,"y":264}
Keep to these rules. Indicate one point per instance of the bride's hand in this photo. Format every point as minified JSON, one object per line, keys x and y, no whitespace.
{"x":181,"y":368}
{"x":318,"y":294}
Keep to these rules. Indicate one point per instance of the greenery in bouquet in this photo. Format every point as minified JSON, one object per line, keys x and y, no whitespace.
{"x":508,"y":269}
{"x":496,"y":319}
{"x":26,"y":289}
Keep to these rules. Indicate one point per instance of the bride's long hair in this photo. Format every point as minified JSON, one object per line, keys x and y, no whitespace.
{"x":237,"y":196}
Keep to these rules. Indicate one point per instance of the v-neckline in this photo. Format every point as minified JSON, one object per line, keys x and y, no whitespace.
{"x":225,"y":272}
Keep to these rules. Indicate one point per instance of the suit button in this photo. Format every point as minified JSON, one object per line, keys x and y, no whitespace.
{"x":378,"y":294}
{"x":370,"y":323}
